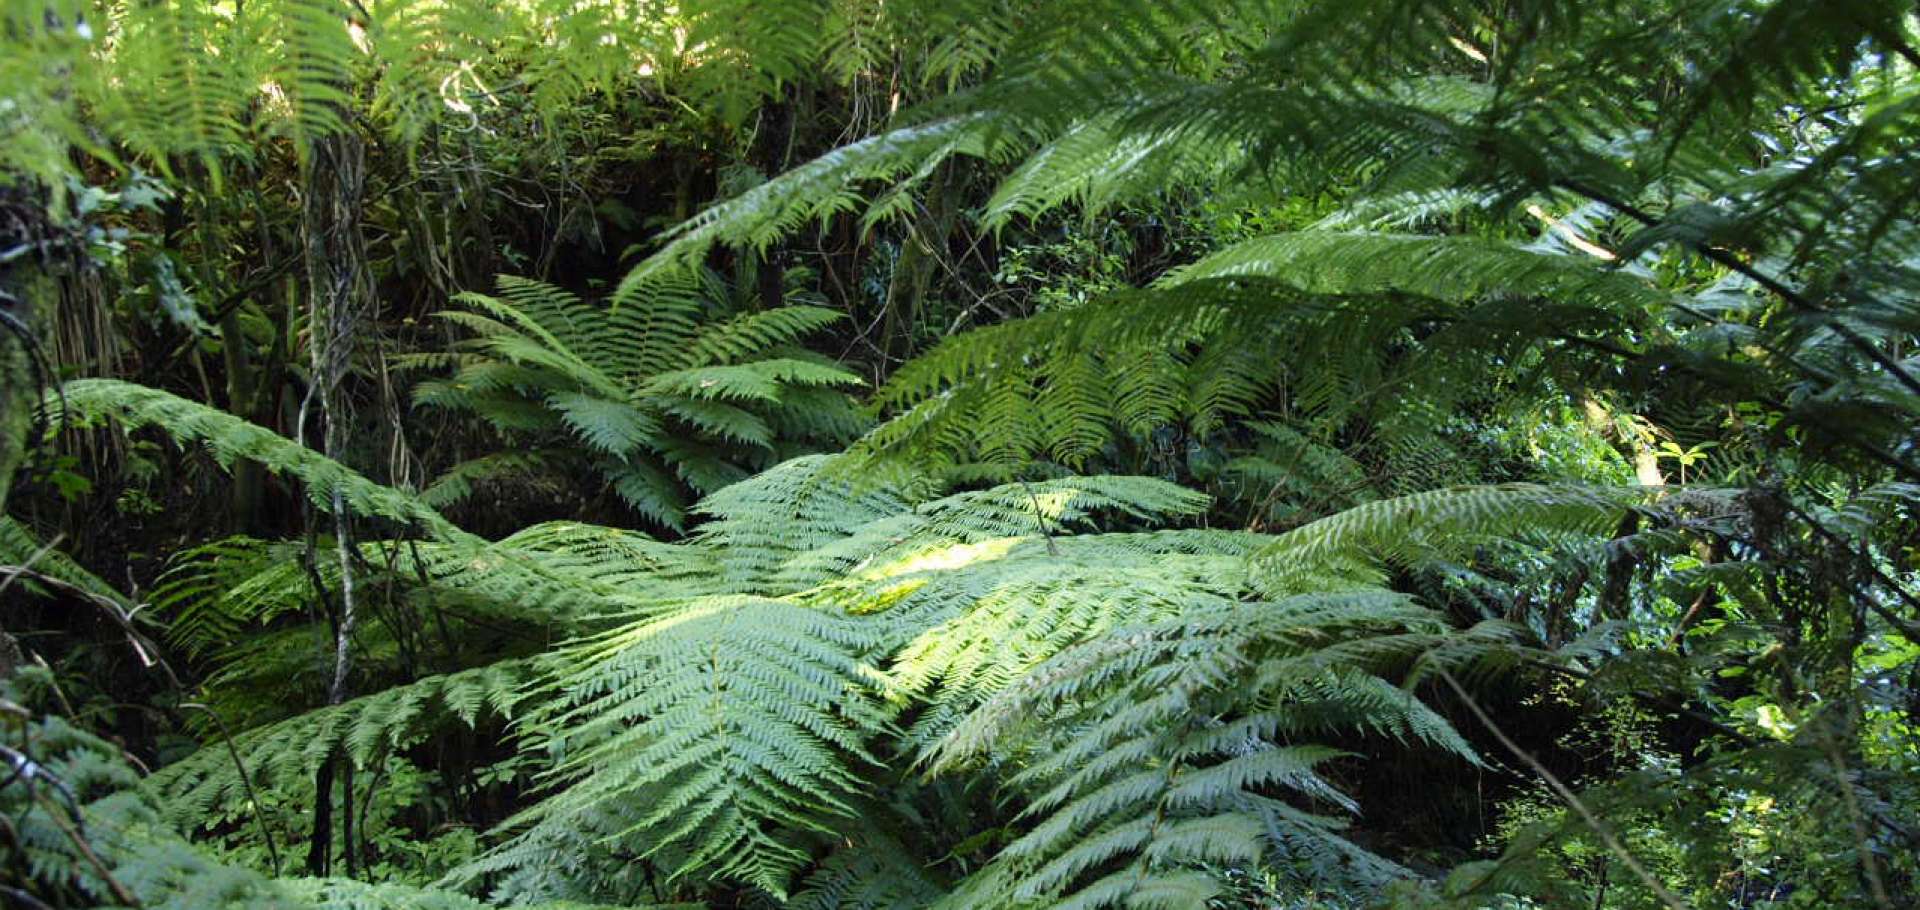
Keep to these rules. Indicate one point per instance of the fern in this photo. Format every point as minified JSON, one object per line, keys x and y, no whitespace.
{"x":229,"y":438}
{"x":1141,"y":776}
{"x":726,"y":717}
{"x":665,"y":401}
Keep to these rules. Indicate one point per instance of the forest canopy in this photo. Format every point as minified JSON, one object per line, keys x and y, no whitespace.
{"x":580,"y":454}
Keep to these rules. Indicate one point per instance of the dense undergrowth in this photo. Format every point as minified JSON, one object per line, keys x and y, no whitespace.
{"x":591,"y":453}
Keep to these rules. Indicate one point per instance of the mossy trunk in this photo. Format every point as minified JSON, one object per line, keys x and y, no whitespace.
{"x":27,"y":291}
{"x":18,"y":392}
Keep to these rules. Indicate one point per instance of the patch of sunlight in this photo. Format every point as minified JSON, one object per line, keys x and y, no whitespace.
{"x":946,"y":559}
{"x":1054,"y":503}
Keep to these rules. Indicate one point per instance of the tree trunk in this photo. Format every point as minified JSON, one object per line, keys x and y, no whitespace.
{"x":243,"y":388}
{"x":921,"y":246}
{"x":771,"y":153}
{"x":338,"y":291}
{"x":27,"y":293}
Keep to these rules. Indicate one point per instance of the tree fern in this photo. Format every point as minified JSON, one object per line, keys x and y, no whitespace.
{"x":729,"y":719}
{"x":1141,"y":776}
{"x":664,"y":400}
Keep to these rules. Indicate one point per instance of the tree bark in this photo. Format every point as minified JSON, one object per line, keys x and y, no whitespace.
{"x":27,"y":293}
{"x":338,"y":292}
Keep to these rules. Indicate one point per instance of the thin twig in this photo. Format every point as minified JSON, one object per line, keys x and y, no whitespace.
{"x":1053,"y":549}
{"x":1566,"y":795}
{"x":246,"y":780}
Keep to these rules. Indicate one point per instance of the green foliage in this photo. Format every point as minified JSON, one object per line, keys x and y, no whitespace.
{"x":229,"y":439}
{"x":1402,"y":293}
{"x":664,"y":392}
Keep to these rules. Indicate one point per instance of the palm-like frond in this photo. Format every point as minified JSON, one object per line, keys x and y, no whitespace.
{"x":666,"y":399}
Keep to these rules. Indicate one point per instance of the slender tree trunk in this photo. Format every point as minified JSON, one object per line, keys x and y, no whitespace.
{"x":913,"y":272}
{"x":772,"y":152}
{"x":28,"y":291}
{"x":338,"y":292}
{"x":243,"y":388}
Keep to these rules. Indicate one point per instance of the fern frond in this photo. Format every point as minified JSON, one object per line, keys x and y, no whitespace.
{"x":206,"y":786}
{"x":20,"y":548}
{"x":670,"y":404}
{"x":457,"y":483}
{"x":229,"y":438}
{"x":1137,"y":775}
{"x":1407,"y":529}
{"x":728,"y":717}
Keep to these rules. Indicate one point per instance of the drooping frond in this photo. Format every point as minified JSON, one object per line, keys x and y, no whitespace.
{"x":826,"y":186}
{"x":456,"y":484}
{"x":207,"y":786}
{"x":1441,"y":268}
{"x":20,"y":549}
{"x":1407,"y":529}
{"x":228,"y":438}
{"x":1164,"y":750}
{"x":720,"y":735}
